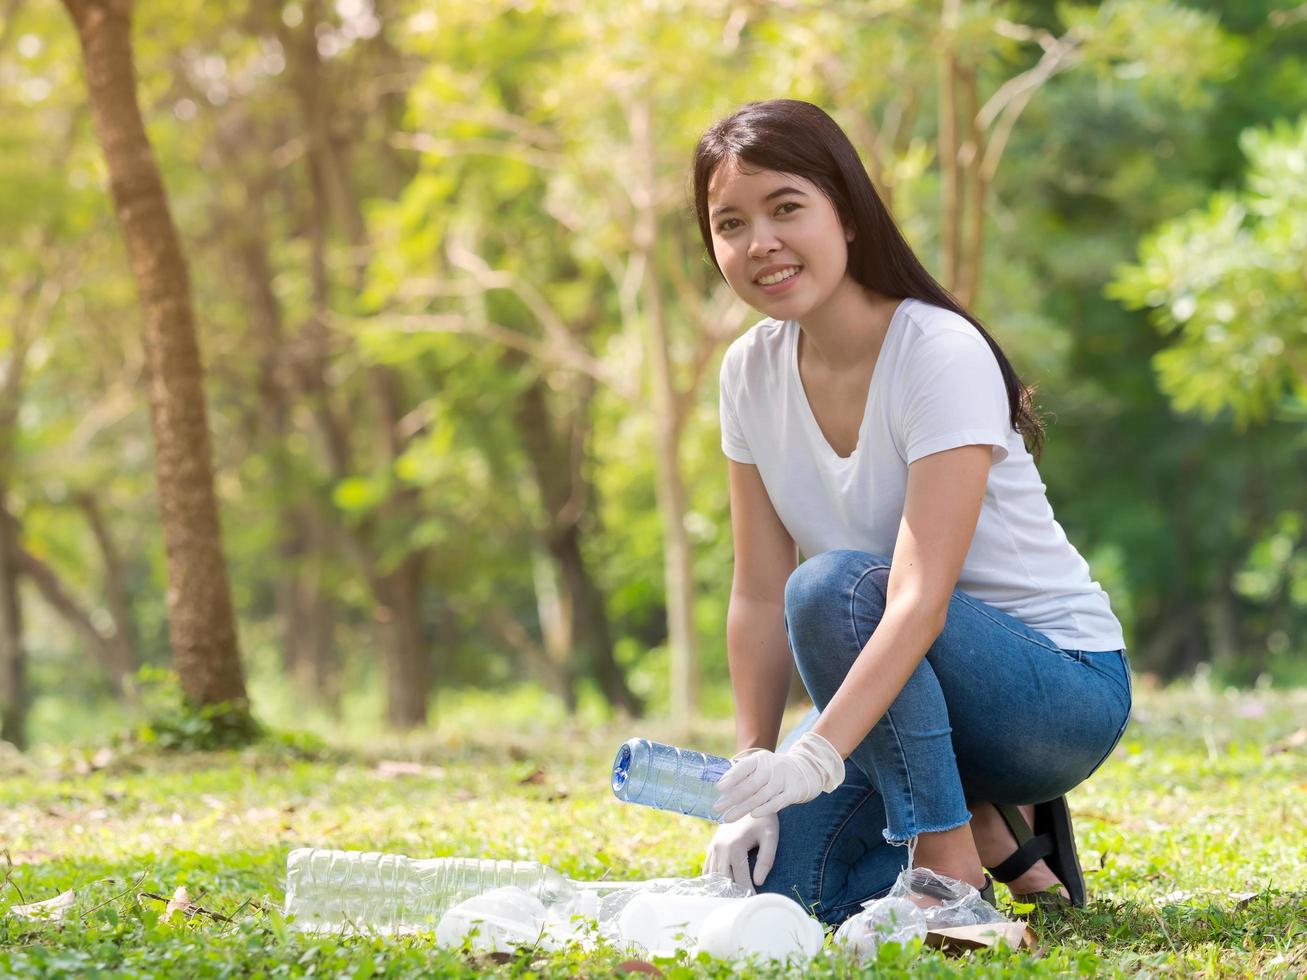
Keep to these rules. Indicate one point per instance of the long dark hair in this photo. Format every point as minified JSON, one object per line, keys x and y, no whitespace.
{"x":795,"y":137}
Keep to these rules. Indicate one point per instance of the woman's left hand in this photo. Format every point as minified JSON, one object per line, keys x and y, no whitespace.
{"x":764,"y":782}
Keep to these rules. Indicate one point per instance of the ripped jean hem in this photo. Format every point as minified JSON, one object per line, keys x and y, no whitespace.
{"x":903,"y":841}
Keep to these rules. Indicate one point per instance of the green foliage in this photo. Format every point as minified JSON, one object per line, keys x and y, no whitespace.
{"x":173,"y":724}
{"x":1189,"y":873}
{"x":503,"y":131}
{"x":1167,"y":49}
{"x":1227,"y":282}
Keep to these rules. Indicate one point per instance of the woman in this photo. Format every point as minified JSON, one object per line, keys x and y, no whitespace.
{"x":978,"y":674}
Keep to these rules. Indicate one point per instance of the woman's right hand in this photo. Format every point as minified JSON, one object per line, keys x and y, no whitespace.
{"x":728,"y":851}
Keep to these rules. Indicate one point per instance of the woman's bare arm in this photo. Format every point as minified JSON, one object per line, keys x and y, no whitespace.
{"x":756,"y":645}
{"x":940,"y":511}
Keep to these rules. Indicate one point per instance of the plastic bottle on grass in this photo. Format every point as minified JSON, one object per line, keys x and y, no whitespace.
{"x":334,"y":891}
{"x":668,"y":778}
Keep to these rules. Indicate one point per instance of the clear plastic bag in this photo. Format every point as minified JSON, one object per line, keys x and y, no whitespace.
{"x":959,"y":903}
{"x":500,"y":920}
{"x":919,"y":901}
{"x":882,"y":920}
{"x":494,"y":922}
{"x":615,"y":896}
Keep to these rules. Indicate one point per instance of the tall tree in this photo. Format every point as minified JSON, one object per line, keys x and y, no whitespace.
{"x":13,"y":661}
{"x":201,"y":623}
{"x":394,"y":569}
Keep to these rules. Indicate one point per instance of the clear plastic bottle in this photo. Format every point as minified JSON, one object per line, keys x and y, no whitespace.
{"x":333,"y":891}
{"x":663,"y":776}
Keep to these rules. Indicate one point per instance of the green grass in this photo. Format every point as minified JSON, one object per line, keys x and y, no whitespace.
{"x":1193,"y":836}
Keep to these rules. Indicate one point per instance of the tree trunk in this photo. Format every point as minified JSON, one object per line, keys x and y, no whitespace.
{"x":396,"y":593}
{"x":678,"y":573}
{"x":202,"y":626}
{"x":305,"y":612}
{"x":554,"y":660}
{"x":972,"y":153}
{"x":13,"y":664}
{"x":13,"y":680}
{"x":950,"y":177}
{"x":590,"y":621}
{"x":562,"y":493}
{"x":110,"y":652}
{"x":678,"y":556}
{"x":408,"y":675}
{"x":119,"y":643}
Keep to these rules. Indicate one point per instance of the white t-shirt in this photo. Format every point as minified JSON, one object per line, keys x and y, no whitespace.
{"x":936,"y":386}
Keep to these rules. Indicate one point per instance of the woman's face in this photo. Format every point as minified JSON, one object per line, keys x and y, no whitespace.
{"x":777,"y":238}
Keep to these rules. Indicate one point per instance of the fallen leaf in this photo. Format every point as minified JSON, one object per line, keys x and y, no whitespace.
{"x":1294,"y":741}
{"x":639,"y":966}
{"x":180,"y":902}
{"x":398,"y":768}
{"x":489,"y":959}
{"x":52,"y":908}
{"x":959,"y":939}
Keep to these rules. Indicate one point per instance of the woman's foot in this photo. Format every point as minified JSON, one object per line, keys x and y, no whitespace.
{"x":952,"y":854}
{"x":995,"y":843}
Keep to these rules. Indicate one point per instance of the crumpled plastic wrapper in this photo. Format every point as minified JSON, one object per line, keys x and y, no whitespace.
{"x":882,"y":920}
{"x":896,"y":918}
{"x":500,"y":920}
{"x":615,"y":897}
{"x":496,"y":921}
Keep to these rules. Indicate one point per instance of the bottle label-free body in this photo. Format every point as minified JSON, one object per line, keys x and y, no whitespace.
{"x":668,"y":778}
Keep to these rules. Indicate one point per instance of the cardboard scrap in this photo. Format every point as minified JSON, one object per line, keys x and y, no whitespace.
{"x":959,"y":939}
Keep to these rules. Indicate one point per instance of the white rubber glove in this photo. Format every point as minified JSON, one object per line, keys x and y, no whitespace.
{"x":762,"y":782}
{"x":728,"y":851}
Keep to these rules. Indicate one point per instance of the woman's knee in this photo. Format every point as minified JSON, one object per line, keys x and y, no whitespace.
{"x":826,"y":612}
{"x":820,"y":592}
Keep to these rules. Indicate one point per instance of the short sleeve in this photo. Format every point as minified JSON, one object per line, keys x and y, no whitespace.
{"x":734,"y":444}
{"x":954,"y":396}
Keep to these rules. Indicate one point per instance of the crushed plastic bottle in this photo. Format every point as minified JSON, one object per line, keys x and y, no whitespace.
{"x":882,"y":920}
{"x":668,"y":778}
{"x":336,"y":891}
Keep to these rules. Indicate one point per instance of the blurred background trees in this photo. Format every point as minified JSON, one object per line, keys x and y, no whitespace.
{"x":460,"y":335}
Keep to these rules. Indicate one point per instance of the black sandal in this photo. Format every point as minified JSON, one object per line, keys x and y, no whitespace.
{"x":1051,"y":839}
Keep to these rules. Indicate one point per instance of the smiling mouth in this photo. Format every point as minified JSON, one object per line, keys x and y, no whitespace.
{"x":776,"y":278}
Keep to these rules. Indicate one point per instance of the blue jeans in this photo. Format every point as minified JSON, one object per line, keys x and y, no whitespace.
{"x":994,"y":712}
